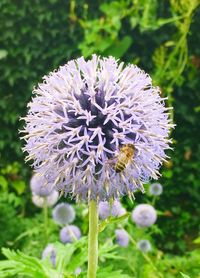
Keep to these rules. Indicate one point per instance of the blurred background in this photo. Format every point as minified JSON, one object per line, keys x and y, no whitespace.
{"x":161,"y":37}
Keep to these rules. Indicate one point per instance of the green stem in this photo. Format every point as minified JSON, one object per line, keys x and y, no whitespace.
{"x":154,"y":201}
{"x":147,"y":258}
{"x":45,"y":211}
{"x":93,"y":239}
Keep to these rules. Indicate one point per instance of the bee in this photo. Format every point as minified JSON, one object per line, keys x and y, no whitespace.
{"x":126,"y":153}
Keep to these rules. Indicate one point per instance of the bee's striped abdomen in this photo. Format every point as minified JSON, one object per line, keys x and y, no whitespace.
{"x":119,"y":167}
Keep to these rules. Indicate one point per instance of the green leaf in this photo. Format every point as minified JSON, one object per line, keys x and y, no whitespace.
{"x":19,"y":186}
{"x":109,"y":251}
{"x":19,"y":263}
{"x":197,"y":109}
{"x":197,"y":240}
{"x":108,"y":273}
{"x":119,"y":48}
{"x":113,"y":9}
{"x":168,"y":174}
{"x":111,"y":220}
{"x":80,"y":257}
{"x":64,"y":255}
{"x":133,"y":21}
{"x":184,"y":275}
{"x":3,"y":183}
{"x":3,"y":53}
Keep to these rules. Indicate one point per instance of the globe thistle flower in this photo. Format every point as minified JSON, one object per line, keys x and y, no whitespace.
{"x":117,"y":209}
{"x":122,"y":237}
{"x":39,"y":186}
{"x":155,"y":189}
{"x":144,"y":245}
{"x":50,"y":200}
{"x":106,"y":210}
{"x":82,"y":115}
{"x":69,"y":234}
{"x":50,"y":252}
{"x":63,"y":214}
{"x":144,"y":215}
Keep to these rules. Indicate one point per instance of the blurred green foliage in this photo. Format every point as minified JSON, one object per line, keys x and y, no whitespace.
{"x":114,"y":261}
{"x":162,"y":37}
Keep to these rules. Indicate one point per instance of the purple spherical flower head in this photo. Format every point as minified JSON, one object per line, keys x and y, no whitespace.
{"x":122,"y":237}
{"x":106,"y":210}
{"x":144,"y":245}
{"x":144,"y":215}
{"x":69,"y":234}
{"x":50,"y":200}
{"x":39,"y":186}
{"x":63,"y":214}
{"x":117,"y":209}
{"x":156,"y":189}
{"x":50,"y":252}
{"x":81,"y":116}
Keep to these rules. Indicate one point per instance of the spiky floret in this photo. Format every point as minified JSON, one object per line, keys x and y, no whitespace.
{"x":144,"y":215}
{"x":39,"y":187}
{"x":50,"y":200}
{"x":144,"y":245}
{"x":80,"y":117}
{"x":70,"y":234}
{"x":155,"y":189}
{"x":63,"y":214}
{"x":122,"y":237}
{"x":115,"y":209}
{"x":50,"y":251}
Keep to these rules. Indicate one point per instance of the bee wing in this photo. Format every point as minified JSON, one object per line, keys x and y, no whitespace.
{"x":112,"y":161}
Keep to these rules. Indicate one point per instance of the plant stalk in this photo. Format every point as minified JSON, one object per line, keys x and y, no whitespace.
{"x":46,"y":228}
{"x":93,"y":239}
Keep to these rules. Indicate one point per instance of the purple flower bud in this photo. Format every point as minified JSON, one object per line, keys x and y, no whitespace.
{"x":50,"y":200}
{"x":39,"y":186}
{"x":50,"y":252}
{"x":69,"y":234}
{"x":80,"y":118}
{"x":156,"y":189}
{"x":63,"y":214}
{"x":144,"y":215}
{"x":122,"y":237}
{"x":144,"y":245}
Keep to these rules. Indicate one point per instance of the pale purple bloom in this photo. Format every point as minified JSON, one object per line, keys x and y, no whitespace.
{"x":50,"y":252}
{"x":63,"y":214}
{"x":144,"y":215}
{"x":122,"y":237}
{"x":144,"y":245}
{"x":80,"y":117}
{"x":50,"y":200}
{"x":117,"y":209}
{"x":77,"y":271}
{"x":106,"y":210}
{"x":70,"y":233}
{"x":156,"y":189}
{"x":39,"y":186}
